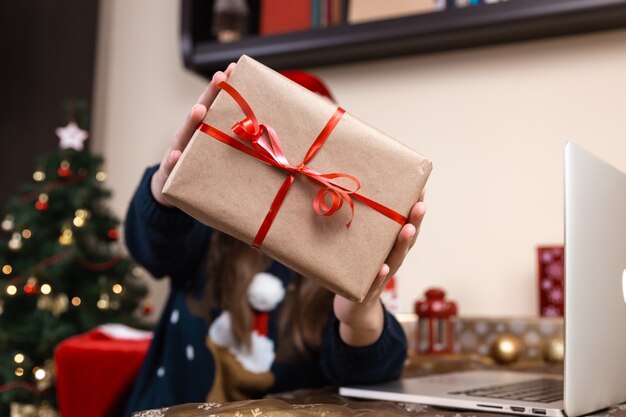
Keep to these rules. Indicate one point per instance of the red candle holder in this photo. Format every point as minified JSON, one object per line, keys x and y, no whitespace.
{"x":434,"y":333}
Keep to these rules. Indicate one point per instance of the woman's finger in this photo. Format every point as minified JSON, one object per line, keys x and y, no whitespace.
{"x":210,"y":92}
{"x":183,"y":136}
{"x":400,"y":247}
{"x":379,"y":283}
{"x":230,"y":69}
{"x":170,"y":160}
{"x":415,"y":218}
{"x":199,"y":110}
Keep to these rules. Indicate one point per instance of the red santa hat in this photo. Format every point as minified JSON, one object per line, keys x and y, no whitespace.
{"x":310,"y":82}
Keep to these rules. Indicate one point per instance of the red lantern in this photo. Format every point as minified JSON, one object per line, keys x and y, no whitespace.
{"x":434,"y":325}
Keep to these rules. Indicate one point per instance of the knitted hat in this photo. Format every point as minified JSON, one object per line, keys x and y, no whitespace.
{"x":309,"y":81}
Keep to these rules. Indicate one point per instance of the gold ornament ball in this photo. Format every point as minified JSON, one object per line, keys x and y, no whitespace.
{"x":554,"y":350}
{"x":506,"y":348}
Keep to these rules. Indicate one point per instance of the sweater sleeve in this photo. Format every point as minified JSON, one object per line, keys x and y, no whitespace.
{"x":164,"y":240}
{"x":382,"y":361}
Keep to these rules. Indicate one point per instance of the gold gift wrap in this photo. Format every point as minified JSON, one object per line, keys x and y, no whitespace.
{"x":231,"y":191}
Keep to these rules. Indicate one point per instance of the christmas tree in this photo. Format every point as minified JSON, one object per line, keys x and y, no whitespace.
{"x":63,"y":269}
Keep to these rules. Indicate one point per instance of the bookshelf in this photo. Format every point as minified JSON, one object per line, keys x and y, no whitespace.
{"x":452,"y":28}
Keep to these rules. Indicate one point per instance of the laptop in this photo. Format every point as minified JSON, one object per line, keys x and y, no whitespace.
{"x":594,"y":374}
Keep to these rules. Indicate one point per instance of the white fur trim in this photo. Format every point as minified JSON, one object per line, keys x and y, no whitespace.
{"x":221,"y":332}
{"x":121,"y":331}
{"x":265,"y":292}
{"x":260,"y":357}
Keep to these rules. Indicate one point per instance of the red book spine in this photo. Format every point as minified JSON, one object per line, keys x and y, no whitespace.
{"x":280,"y":16}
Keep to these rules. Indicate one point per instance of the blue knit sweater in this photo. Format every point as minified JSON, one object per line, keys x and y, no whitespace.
{"x":179,"y":368}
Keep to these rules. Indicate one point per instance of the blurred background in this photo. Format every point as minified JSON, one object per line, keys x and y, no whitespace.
{"x":489,"y":91}
{"x":493,"y":120}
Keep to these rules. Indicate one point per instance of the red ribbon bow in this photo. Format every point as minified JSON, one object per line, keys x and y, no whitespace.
{"x":261,"y":142}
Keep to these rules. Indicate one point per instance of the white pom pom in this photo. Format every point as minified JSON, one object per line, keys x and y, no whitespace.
{"x":266,"y":291}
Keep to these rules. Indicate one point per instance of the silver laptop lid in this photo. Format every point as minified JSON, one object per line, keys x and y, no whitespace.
{"x":595,"y":260}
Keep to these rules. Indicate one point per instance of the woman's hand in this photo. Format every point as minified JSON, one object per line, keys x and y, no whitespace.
{"x":182,"y":137}
{"x":361,"y":324}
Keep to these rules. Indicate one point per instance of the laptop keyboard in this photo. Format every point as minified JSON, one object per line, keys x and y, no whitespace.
{"x":543,"y":390}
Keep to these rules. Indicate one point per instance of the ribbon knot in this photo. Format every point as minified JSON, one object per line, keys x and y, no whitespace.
{"x":265,"y":146}
{"x":247,"y":129}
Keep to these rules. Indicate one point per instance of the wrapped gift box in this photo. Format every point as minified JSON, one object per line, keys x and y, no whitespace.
{"x":227,"y":188}
{"x":550,"y":273}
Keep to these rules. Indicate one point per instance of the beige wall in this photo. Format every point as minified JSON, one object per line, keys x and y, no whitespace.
{"x":493,"y":120}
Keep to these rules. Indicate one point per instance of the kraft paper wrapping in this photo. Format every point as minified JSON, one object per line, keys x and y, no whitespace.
{"x":232,"y":192}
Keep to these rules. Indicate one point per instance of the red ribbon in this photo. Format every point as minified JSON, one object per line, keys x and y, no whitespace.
{"x":267,"y":148}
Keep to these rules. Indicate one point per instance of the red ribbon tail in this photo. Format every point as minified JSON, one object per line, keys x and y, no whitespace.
{"x":385,"y":211}
{"x":273,"y":211}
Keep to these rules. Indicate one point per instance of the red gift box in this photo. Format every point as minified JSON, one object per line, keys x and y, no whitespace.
{"x":96,"y":370}
{"x":550,"y":272}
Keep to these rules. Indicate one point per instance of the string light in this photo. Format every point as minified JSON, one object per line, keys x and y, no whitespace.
{"x":57,"y":305}
{"x":11,"y":290}
{"x":117,"y":288}
{"x":81,"y":217}
{"x":82,"y":213}
{"x":46,"y":289}
{"x":8,"y":223}
{"x":7,"y":269}
{"x":19,"y":371}
{"x":39,"y":373}
{"x":15,"y":243}
{"x":39,"y":175}
{"x":26,"y":233}
{"x":113,"y":234}
{"x":61,"y":304}
{"x":76,"y":301}
{"x":66,"y":237}
{"x":42,"y":202}
{"x":64,"y":169}
{"x":30,"y":288}
{"x":19,"y":358}
{"x":101,"y":176}
{"x":147,"y":308}
{"x":103,"y":302}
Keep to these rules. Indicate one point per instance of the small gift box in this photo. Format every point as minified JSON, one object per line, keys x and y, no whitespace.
{"x":271,"y":156}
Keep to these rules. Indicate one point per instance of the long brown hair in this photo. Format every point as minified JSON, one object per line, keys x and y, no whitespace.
{"x":231,"y":266}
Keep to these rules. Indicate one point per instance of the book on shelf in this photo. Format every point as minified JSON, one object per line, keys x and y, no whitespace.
{"x":361,"y":11}
{"x":279,"y":16}
{"x":327,"y":13}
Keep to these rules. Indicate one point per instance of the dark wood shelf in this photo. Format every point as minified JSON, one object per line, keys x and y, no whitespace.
{"x":453,"y":28}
